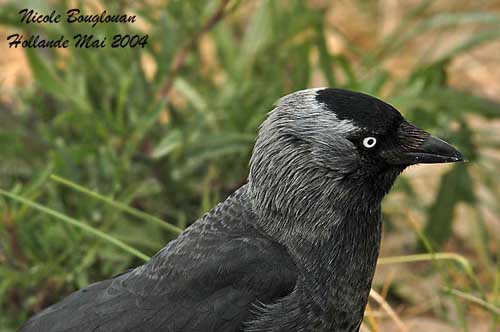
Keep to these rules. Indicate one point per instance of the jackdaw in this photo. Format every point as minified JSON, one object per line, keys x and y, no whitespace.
{"x":294,"y":249}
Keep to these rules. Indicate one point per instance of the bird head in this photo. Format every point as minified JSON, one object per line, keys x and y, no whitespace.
{"x":337,"y":143}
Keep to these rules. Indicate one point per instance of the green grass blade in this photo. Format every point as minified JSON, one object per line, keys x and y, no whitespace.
{"x":118,"y":205}
{"x":476,"y":300}
{"x":76,"y":223}
{"x":428,"y":257}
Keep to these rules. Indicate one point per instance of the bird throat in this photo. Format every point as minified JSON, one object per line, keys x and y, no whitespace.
{"x":339,"y":267}
{"x":334,"y":240}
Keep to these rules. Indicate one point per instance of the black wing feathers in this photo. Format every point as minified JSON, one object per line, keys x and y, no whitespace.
{"x":206,"y":280}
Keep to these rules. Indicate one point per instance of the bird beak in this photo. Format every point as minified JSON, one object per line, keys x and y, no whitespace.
{"x":423,"y":148}
{"x":432,"y":151}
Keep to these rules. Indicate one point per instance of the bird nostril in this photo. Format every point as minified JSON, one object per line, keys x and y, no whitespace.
{"x":410,"y":136}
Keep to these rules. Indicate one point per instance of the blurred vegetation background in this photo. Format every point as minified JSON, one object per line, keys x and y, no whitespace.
{"x":168,"y":130}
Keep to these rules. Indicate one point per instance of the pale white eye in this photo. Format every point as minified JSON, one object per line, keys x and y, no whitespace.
{"x":369,"y":142}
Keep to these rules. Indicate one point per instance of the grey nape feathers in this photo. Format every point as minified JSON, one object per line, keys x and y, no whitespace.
{"x":294,"y":249}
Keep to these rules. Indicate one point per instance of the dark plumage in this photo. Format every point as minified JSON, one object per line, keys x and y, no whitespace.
{"x":294,"y":249}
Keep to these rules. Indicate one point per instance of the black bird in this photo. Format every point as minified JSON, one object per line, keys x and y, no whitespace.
{"x":294,"y":249}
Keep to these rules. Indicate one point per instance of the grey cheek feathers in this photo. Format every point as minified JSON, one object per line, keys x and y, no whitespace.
{"x":301,"y":117}
{"x":300,"y":153}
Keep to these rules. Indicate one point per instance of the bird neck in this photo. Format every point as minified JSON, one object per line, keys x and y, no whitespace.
{"x":315,"y":208}
{"x":333,"y":232}
{"x":342,"y":264}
